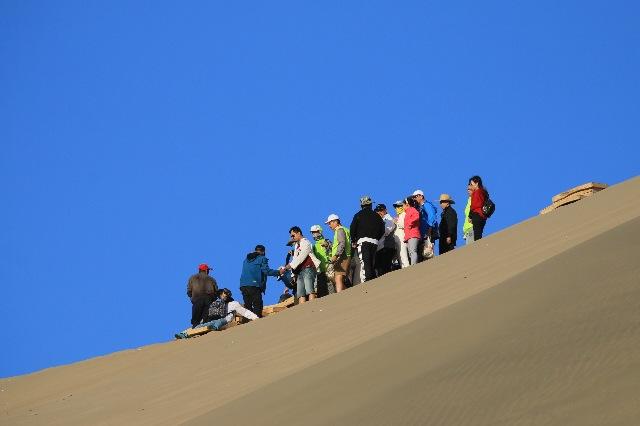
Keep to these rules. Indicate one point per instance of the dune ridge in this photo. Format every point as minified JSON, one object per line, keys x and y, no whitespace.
{"x":193,"y":380}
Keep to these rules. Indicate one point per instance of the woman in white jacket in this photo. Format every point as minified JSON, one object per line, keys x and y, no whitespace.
{"x":398,"y":235}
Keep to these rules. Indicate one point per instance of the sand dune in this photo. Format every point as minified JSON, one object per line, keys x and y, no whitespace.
{"x":537,"y":324}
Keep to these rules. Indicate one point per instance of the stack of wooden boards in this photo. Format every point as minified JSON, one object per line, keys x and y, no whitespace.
{"x":574,"y":194}
{"x":266,"y":311}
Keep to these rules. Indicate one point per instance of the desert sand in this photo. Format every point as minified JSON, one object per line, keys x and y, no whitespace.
{"x":536,"y":324}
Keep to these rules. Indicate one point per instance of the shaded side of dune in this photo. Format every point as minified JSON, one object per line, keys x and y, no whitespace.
{"x":556,"y":344}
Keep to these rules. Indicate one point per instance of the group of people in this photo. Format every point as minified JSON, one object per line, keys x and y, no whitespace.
{"x":374,"y":244}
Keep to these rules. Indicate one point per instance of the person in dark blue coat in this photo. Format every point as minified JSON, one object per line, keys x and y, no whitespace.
{"x":253,"y":280}
{"x":428,"y":222}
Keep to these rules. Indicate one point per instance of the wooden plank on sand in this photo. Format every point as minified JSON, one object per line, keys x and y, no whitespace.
{"x":278,"y":307}
{"x":587,"y":186}
{"x":574,"y":194}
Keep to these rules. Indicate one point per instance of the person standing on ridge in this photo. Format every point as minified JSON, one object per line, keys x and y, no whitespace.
{"x":340,"y":251}
{"x":386,"y":245}
{"x":428,"y":222}
{"x":398,"y":235}
{"x":412,"y":228}
{"x":322,"y":250}
{"x":478,"y":198}
{"x":467,"y":227}
{"x":448,"y":224}
{"x":303,"y":265}
{"x":253,"y":279}
{"x":201,"y":289}
{"x":367,"y":227}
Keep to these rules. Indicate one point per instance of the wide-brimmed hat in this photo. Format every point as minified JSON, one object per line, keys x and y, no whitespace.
{"x":447,"y":198}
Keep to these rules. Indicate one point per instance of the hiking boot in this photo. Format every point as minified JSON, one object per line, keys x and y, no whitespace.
{"x":181,"y":335}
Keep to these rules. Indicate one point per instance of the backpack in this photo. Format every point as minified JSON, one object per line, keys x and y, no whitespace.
{"x":488,"y":207}
{"x":435,"y":231}
{"x":217,"y":309}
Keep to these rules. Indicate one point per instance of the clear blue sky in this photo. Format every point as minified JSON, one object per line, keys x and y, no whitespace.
{"x":142,"y":138}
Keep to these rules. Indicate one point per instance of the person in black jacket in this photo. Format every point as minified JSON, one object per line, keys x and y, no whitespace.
{"x":448,"y":224}
{"x":367,"y":227}
{"x":201,"y":289}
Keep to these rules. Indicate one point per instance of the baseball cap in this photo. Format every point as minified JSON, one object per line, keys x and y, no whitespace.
{"x":365,"y":200}
{"x":380,"y":207}
{"x":398,"y":203}
{"x":418,"y":192}
{"x":203,"y":267}
{"x":316,"y":228}
{"x":332,"y":217}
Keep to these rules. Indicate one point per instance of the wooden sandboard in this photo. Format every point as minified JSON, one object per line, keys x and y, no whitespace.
{"x":278,"y":307}
{"x":192,"y":332}
{"x":591,"y":186}
{"x":574,"y":194}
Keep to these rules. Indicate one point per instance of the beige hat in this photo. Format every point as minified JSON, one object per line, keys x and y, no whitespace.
{"x":447,"y":198}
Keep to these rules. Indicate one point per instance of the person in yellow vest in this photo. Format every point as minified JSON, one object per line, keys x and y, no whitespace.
{"x":467,"y":227}
{"x":322,"y":250}
{"x":340,"y":251}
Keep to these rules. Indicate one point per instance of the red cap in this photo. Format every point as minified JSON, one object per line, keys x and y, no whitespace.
{"x":203,"y":267}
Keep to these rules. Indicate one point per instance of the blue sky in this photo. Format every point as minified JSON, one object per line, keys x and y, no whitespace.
{"x":142,"y":138}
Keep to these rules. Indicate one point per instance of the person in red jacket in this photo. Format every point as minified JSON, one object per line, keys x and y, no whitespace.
{"x":411,"y":228}
{"x":478,"y":197}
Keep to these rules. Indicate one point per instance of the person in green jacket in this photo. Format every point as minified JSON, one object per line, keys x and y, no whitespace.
{"x":322,"y":250}
{"x":340,"y":251}
{"x":467,"y":227}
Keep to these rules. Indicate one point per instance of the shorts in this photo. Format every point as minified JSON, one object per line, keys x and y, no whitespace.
{"x":306,"y":280}
{"x":341,"y":266}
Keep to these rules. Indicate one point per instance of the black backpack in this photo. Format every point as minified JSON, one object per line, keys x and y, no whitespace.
{"x":217,"y":310}
{"x":489,"y":207}
{"x":435,"y":232}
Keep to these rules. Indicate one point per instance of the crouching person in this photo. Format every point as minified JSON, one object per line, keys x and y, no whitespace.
{"x":221,"y":312}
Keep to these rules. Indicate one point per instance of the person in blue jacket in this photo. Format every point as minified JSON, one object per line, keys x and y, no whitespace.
{"x":428,"y":221}
{"x":253,"y":280}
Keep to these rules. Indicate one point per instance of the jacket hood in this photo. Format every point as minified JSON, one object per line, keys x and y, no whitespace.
{"x":252,"y":256}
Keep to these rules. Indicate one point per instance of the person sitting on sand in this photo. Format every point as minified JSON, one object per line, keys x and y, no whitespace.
{"x":221,"y":312}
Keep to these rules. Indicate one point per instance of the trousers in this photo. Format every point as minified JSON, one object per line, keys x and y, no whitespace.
{"x":199,"y":309}
{"x":252,"y":298}
{"x":367,"y":256}
{"x":478,"y":223}
{"x":384,"y":259}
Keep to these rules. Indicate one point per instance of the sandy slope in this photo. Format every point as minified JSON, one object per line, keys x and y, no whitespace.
{"x":537,"y":324}
{"x":556,"y":344}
